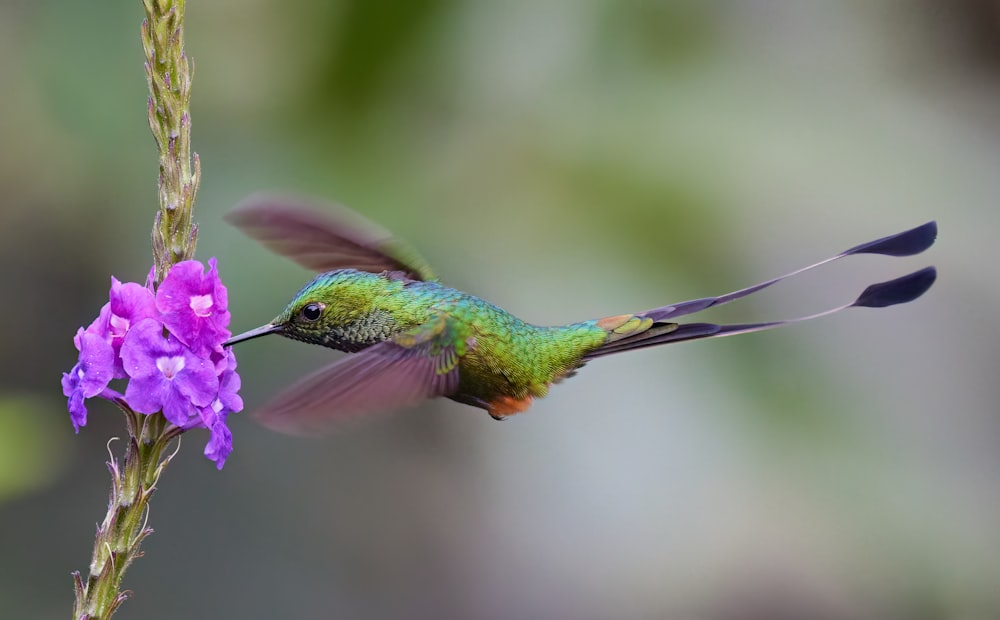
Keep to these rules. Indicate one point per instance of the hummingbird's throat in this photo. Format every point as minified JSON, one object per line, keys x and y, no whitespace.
{"x":372,"y":328}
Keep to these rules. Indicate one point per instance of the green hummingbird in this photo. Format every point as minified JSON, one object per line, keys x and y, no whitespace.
{"x":411,"y":338}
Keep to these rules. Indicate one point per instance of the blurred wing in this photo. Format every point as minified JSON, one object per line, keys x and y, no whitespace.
{"x":419,"y":364}
{"x":324,"y":237}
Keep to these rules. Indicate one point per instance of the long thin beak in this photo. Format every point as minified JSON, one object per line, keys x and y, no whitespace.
{"x":263,"y":330}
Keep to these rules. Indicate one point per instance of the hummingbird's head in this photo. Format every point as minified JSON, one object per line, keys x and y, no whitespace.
{"x":329,"y":310}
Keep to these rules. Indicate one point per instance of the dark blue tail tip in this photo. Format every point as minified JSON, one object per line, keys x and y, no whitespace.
{"x":898,"y":291}
{"x":906,"y":243}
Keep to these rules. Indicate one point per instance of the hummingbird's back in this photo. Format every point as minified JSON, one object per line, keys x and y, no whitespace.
{"x":507,"y":361}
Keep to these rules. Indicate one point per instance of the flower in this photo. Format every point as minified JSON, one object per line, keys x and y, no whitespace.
{"x":165,"y":375}
{"x":229,"y":384}
{"x":90,"y":376}
{"x":194,"y":305}
{"x":130,"y":303}
{"x":220,"y":444}
{"x":168,"y":346}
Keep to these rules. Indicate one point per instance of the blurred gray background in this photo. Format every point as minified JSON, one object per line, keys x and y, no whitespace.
{"x":566,"y":160}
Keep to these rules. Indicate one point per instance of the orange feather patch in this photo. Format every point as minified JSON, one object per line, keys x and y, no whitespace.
{"x":509,"y":405}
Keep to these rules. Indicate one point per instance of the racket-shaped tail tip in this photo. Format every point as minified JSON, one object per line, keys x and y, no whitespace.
{"x":898,"y":291}
{"x":906,"y":243}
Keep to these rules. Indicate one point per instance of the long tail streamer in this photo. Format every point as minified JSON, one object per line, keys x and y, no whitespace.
{"x":880,"y":295}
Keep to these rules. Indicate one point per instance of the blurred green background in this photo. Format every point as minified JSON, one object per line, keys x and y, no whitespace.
{"x":566,"y":160}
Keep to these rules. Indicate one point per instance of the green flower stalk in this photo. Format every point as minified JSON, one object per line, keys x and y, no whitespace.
{"x":168,"y":73}
{"x":164,"y":337}
{"x":124,"y":527}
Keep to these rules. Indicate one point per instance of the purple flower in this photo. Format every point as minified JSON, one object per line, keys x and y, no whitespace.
{"x":165,"y":375}
{"x":168,"y":345}
{"x":229,"y":384}
{"x":129,"y":304}
{"x":98,"y":327}
{"x":90,"y":376}
{"x":220,"y":442}
{"x":194,"y":305}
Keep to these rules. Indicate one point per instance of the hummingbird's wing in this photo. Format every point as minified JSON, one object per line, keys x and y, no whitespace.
{"x":324,"y":237}
{"x":416,"y":365}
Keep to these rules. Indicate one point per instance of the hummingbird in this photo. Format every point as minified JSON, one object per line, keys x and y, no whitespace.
{"x":410,"y":337}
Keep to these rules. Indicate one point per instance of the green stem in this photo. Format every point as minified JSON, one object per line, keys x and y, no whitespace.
{"x":124,"y":527}
{"x":168,"y":73}
{"x":116,"y":546}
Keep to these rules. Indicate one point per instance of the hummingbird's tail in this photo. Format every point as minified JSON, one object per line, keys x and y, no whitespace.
{"x":654,"y":327}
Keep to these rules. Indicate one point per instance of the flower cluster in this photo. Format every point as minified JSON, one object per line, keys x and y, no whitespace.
{"x":168,"y":345}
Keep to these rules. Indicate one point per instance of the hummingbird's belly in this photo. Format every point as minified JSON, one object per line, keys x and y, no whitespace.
{"x":494,"y":387}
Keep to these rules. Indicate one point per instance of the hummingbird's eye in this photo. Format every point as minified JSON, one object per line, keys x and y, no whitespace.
{"x":311,"y":312}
